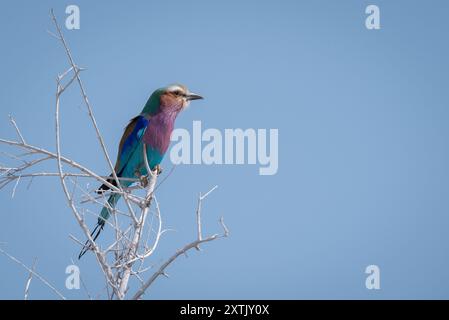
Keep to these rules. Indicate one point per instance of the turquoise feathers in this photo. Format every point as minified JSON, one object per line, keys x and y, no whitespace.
{"x":152,"y":127}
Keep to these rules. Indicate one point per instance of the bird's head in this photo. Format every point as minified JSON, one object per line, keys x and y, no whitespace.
{"x":178,"y":95}
{"x":173,"y":98}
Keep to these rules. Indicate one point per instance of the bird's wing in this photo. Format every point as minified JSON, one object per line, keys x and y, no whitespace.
{"x":130,"y":141}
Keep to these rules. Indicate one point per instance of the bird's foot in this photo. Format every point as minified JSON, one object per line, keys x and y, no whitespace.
{"x":158,"y":169}
{"x":143,"y":181}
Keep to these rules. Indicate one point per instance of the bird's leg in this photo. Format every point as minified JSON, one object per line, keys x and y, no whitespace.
{"x":144,"y":178}
{"x":158,"y":169}
{"x":144,"y":181}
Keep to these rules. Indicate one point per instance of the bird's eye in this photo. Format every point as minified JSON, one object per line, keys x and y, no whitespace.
{"x":177,"y":93}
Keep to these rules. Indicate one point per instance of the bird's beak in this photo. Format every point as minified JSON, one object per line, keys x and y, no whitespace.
{"x":194,"y":96}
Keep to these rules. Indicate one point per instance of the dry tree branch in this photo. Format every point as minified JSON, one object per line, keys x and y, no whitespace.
{"x":38,"y":150}
{"x":59,"y":294}
{"x":126,"y":256}
{"x":198,"y":212}
{"x":17,"y":129}
{"x":184,"y":250}
{"x":56,"y":174}
{"x":100,"y":256}
{"x":132,"y":252}
{"x":121,"y":287}
{"x":85,"y":98}
{"x":30,"y":277}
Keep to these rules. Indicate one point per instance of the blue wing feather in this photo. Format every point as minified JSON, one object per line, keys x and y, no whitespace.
{"x":126,"y":163}
{"x":132,"y":138}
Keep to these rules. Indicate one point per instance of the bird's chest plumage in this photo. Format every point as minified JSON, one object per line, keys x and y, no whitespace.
{"x":157,"y":135}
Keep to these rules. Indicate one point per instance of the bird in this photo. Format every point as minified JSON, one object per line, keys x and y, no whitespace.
{"x":152,"y":128}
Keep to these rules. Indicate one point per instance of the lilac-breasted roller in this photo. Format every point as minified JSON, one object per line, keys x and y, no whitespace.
{"x":152,"y":127}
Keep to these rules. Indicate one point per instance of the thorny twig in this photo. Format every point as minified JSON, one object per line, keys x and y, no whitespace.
{"x":125,"y":257}
{"x":184,"y":250}
{"x":30,"y":277}
{"x":59,"y":294}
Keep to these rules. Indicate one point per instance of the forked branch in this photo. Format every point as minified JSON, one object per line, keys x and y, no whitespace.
{"x":137,"y":239}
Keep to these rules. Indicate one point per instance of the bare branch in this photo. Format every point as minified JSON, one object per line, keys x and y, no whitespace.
{"x":100,"y":256}
{"x":126,"y":257}
{"x":34,"y":273}
{"x":132,"y":252}
{"x":198,"y":213}
{"x":53,"y":35}
{"x":208,"y":193}
{"x":63,"y":159}
{"x":161,"y":270}
{"x":15,"y":187}
{"x":225,"y":228}
{"x":30,"y":277}
{"x":86,"y":100}
{"x":194,"y":244}
{"x":17,"y":128}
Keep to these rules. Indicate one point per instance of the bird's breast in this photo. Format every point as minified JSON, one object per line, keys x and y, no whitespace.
{"x":159,"y":131}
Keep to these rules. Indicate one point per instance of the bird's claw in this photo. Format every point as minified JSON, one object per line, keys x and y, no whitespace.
{"x":143,"y":181}
{"x":158,"y":169}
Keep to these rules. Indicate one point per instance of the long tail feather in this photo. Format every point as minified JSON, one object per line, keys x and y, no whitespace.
{"x":104,"y":187}
{"x":104,"y":215}
{"x":87,"y":245}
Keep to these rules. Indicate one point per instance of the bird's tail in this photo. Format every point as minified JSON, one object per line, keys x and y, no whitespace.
{"x":104,"y":215}
{"x":104,"y":187}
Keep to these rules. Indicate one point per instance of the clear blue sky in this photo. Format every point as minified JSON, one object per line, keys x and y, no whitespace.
{"x":363,"y":141}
